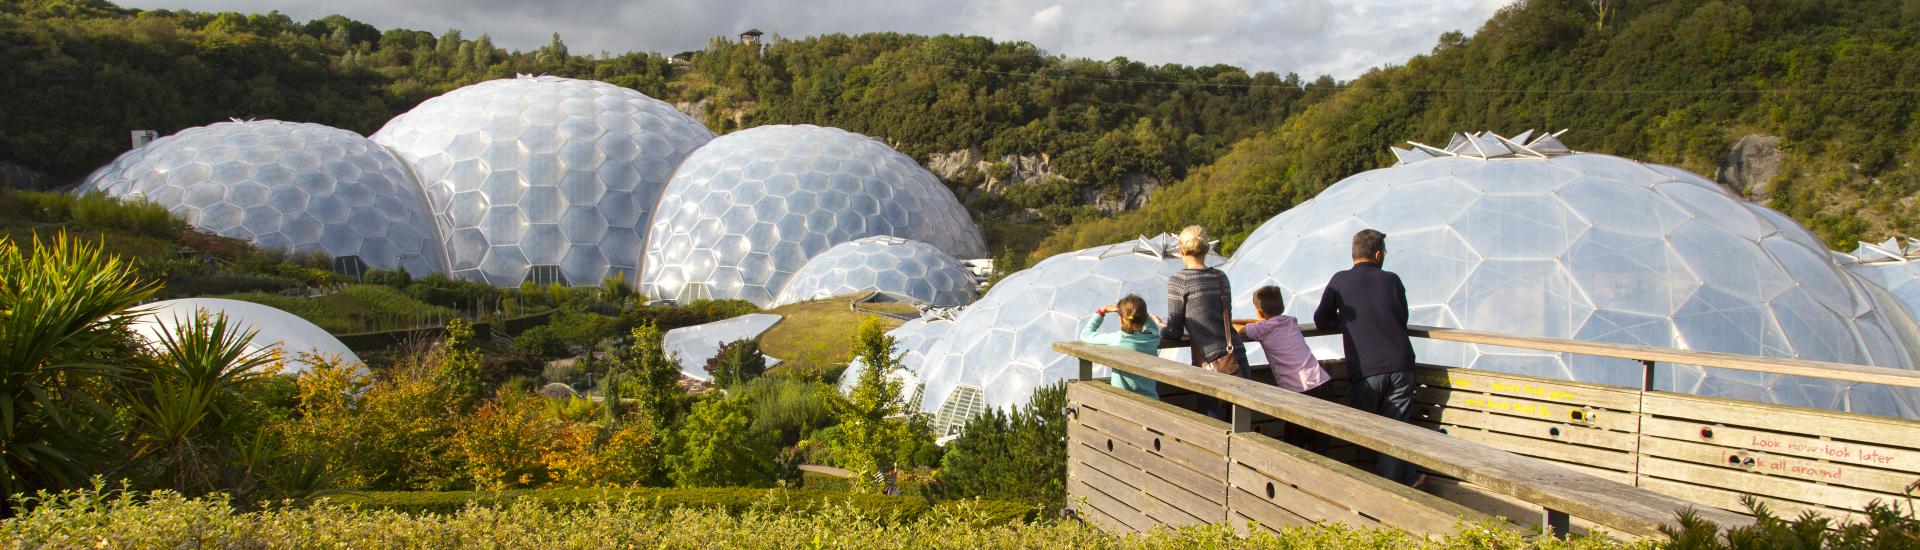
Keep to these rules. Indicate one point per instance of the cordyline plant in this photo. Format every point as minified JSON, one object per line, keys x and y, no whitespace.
{"x":64,"y":311}
{"x":181,"y":395}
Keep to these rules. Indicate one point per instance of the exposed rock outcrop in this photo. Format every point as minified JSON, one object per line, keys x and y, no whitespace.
{"x":14,"y":176}
{"x":1133,"y":193}
{"x":1750,"y":166}
{"x":1009,"y":171}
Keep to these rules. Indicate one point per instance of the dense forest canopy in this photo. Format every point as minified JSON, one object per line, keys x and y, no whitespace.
{"x":1670,"y":81}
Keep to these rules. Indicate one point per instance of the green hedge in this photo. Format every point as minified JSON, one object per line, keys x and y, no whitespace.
{"x":733,"y":500}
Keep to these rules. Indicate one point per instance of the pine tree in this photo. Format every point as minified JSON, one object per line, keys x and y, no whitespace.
{"x":715,"y":448}
{"x":1019,"y":456}
{"x":648,"y":375}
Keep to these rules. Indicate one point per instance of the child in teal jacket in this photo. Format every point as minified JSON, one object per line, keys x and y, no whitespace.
{"x":1137,"y":332}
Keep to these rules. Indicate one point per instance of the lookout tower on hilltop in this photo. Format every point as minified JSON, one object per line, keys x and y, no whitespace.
{"x":751,"y":37}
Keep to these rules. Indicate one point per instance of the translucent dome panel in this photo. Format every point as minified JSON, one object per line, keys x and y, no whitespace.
{"x":287,"y":186}
{"x":1590,"y":247}
{"x":745,"y":212}
{"x":543,"y":171}
{"x":273,"y":329}
{"x":1003,"y":343}
{"x":910,"y":269}
{"x":695,"y":345}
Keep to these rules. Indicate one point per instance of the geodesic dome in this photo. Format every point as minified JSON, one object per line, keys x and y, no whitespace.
{"x":1489,"y":234}
{"x":543,"y":178}
{"x":288,"y":186}
{"x":1003,"y":343}
{"x":273,"y":328}
{"x":909,"y":269}
{"x":1894,"y":265}
{"x":746,"y":211}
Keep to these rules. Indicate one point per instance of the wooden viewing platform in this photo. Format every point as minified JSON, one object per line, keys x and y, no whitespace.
{"x":1569,"y":456}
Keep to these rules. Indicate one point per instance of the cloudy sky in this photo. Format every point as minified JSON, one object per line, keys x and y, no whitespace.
{"x":1310,"y":37}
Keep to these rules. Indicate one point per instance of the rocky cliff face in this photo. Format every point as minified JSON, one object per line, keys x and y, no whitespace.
{"x":20,"y":177}
{"x":997,"y":176}
{"x":1750,"y":166}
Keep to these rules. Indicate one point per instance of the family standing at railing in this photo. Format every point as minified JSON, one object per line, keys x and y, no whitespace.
{"x":1366,"y":304}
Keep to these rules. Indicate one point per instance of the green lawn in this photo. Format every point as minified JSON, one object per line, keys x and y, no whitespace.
{"x":814,"y":336}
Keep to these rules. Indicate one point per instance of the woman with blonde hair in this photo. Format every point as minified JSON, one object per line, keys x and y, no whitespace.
{"x":1199,"y":310}
{"x":1137,"y":332}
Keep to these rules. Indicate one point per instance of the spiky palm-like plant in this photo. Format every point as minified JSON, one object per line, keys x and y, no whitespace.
{"x":64,"y":310}
{"x":181,"y":393}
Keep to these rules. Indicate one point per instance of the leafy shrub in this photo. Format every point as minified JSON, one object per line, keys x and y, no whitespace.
{"x":510,"y":442}
{"x":786,"y":409}
{"x":697,"y":312}
{"x":771,"y":519}
{"x":542,"y":341}
{"x":1886,"y":526}
{"x":1019,"y":457}
{"x":876,"y":434}
{"x":738,"y":362}
{"x":715,"y":447}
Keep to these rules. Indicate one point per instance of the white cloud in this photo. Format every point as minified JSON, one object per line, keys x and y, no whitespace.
{"x":1310,"y":37}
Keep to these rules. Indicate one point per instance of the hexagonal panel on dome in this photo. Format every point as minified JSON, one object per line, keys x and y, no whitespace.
{"x":1592,"y":247}
{"x":833,"y":187}
{"x":588,"y":156}
{"x":912,"y":270}
{"x":291,"y":186}
{"x":1002,"y":343}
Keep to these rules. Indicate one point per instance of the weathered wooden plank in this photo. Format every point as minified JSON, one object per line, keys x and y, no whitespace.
{"x":1204,"y":461}
{"x":1442,"y":400}
{"x":1100,"y":519}
{"x":1250,"y":507}
{"x":1204,"y":499}
{"x":1533,"y":429}
{"x":1250,"y":487}
{"x":1546,"y":449}
{"x":1619,"y":507}
{"x":1539,"y":390}
{"x":1513,"y":510}
{"x":1795,"y":367}
{"x":1840,"y":452}
{"x":1889,"y":432}
{"x":1747,"y":482}
{"x":1730,"y":500}
{"x":1189,"y":426}
{"x":1385,"y":501}
{"x":1134,"y":520}
{"x":1882,"y":481}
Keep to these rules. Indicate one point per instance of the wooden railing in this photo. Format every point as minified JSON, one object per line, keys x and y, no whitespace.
{"x":1565,"y":455}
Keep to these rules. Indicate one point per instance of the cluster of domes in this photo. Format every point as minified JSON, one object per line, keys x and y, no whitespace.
{"x":744,"y":213}
{"x":1514,"y":236}
{"x":556,"y":180}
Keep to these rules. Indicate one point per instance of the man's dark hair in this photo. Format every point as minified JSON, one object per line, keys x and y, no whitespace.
{"x":1269,"y":300}
{"x":1367,"y":243}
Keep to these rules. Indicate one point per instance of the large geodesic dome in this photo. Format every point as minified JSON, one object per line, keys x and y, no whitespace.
{"x":273,"y":329}
{"x":289,"y":186}
{"x":1490,"y":234}
{"x":1002,"y":345}
{"x":912,"y":270}
{"x":746,"y":211}
{"x":543,"y":178}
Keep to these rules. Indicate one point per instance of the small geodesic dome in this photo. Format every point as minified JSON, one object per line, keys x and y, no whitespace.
{"x":746,"y":211}
{"x":273,"y":328}
{"x":898,"y":267}
{"x":1002,"y":345}
{"x":287,"y":186}
{"x":1500,"y":235}
{"x":1894,"y":265}
{"x":543,"y":178}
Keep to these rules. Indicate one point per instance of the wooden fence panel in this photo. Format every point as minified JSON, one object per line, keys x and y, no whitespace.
{"x":1143,"y":463}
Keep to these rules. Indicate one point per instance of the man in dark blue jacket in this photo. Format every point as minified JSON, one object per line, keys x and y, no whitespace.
{"x":1369,"y":306}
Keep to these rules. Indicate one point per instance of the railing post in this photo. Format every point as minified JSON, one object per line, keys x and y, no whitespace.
{"x":1646,"y":375}
{"x":1242,"y":419}
{"x":1086,"y":369}
{"x":1555,"y":522}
